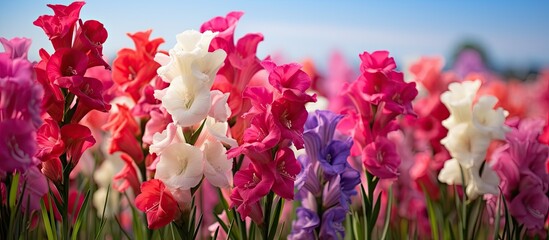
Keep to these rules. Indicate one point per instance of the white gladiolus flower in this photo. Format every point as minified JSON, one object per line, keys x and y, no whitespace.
{"x":217,"y":168}
{"x":180,"y":166}
{"x":187,"y":104}
{"x":480,"y":184}
{"x":470,"y":131}
{"x":488,"y":120}
{"x":190,"y":58}
{"x":451,"y":173}
{"x":190,"y":69}
{"x":459,"y":100}
{"x":477,"y":184}
{"x":215,"y":131}
{"x":192,"y":41}
{"x":466,"y":145}
{"x":172,"y":134}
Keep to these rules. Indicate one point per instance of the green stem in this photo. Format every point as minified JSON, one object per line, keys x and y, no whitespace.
{"x":64,"y":192}
{"x":267,"y":215}
{"x":372,"y":184}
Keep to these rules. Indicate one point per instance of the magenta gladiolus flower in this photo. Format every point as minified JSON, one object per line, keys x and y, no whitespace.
{"x":521,"y":165}
{"x":18,"y":141}
{"x":381,"y":158}
{"x":19,"y":107}
{"x":531,"y":205}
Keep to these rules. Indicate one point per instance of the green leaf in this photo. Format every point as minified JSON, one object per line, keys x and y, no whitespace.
{"x":197,"y":226}
{"x":122,"y":229}
{"x":387,"y":214}
{"x":432,"y":216}
{"x":497,"y":220}
{"x":221,"y":223}
{"x":196,"y":133}
{"x":230,"y":229}
{"x":81,"y":215}
{"x":47,"y":224}
{"x":102,"y":222}
{"x":13,"y":190}
{"x":366,"y":206}
{"x":377,"y":207}
{"x":276,"y":218}
{"x":215,"y":234}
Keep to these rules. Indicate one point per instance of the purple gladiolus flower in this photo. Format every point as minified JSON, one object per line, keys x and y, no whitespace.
{"x":304,"y":226}
{"x":332,"y":224}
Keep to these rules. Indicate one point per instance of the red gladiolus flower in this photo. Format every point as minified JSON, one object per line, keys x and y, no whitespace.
{"x":89,"y":39}
{"x":124,"y":130}
{"x":53,"y":101}
{"x":158,"y":203}
{"x":59,"y":27}
{"x":90,"y":96}
{"x":77,"y":139}
{"x":128,"y":176}
{"x":66,"y":67}
{"x":50,"y":145}
{"x":134,"y":69}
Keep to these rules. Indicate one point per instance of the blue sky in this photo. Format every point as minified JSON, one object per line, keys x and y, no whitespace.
{"x":514,"y":33}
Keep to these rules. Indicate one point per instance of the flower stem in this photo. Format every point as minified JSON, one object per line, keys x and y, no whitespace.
{"x":64,"y":192}
{"x":267,"y":215}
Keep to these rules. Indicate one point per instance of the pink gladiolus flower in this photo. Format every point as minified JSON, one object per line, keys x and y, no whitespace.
{"x":160,"y":119}
{"x":16,"y":47}
{"x":158,"y":204}
{"x":378,"y":61}
{"x":224,"y":25}
{"x":290,"y":118}
{"x":241,"y":63}
{"x":381,"y":159}
{"x":285,"y":168}
{"x":250,"y":188}
{"x":289,"y":80}
{"x":262,"y":135}
{"x":36,"y":188}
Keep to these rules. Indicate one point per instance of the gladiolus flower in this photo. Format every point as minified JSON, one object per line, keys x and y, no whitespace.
{"x":157,"y":203}
{"x":381,"y":159}
{"x":180,"y":166}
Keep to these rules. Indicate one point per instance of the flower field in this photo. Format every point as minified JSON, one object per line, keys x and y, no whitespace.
{"x":206,"y":139}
